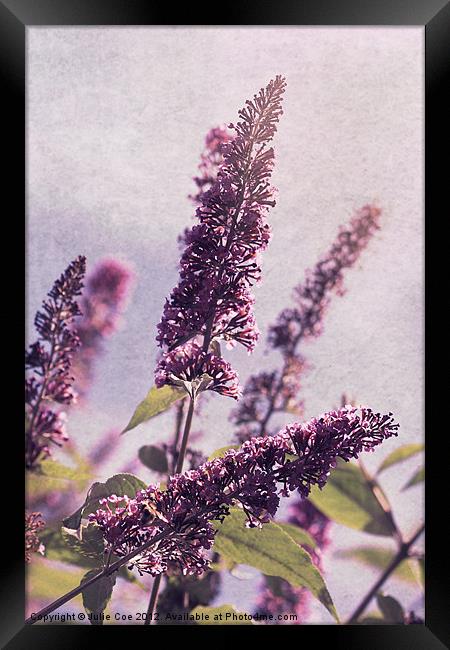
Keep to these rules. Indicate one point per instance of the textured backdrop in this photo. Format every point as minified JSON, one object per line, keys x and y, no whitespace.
{"x":115,"y":124}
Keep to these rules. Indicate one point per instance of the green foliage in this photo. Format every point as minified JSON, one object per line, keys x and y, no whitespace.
{"x":119,"y":484}
{"x":300,"y":536}
{"x":416,"y":478}
{"x":273,"y":552}
{"x":379,"y":558}
{"x":81,"y":548}
{"x":51,"y":475}
{"x":347,"y":499}
{"x":391,"y":609}
{"x":222,"y":615}
{"x":48,"y":582}
{"x":219,"y":453}
{"x":156,"y":401}
{"x":97,"y":595}
{"x":399,"y":455}
{"x":86,"y":541}
{"x":154,"y":458}
{"x":57,"y":548}
{"x":371,"y":620}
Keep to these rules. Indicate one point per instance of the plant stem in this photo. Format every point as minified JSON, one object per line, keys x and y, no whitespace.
{"x":116,"y":566}
{"x":153,"y":599}
{"x":187,"y":429}
{"x":106,"y":572}
{"x":402,"y":554}
{"x":179,"y":422}
{"x":178,"y":469}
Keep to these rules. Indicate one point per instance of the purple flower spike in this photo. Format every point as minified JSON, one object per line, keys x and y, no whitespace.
{"x":48,"y":362}
{"x":312,"y":297}
{"x":252,"y":478}
{"x":220,"y":261}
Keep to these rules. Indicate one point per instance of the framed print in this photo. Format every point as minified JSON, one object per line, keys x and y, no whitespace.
{"x":226,"y":391}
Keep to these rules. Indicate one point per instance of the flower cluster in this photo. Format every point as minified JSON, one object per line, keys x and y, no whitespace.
{"x":220,"y":261}
{"x":33,"y":523}
{"x":189,"y":366}
{"x":278,"y":596}
{"x":253,"y":478}
{"x":107,"y":288}
{"x":311,"y":298}
{"x":48,"y":364}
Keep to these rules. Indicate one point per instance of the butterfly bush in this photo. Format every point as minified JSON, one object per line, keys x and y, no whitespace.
{"x":253,"y":478}
{"x":221,"y":259}
{"x":48,"y":364}
{"x":102,"y":304}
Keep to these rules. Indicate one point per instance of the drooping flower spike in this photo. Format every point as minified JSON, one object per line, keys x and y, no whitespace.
{"x":48,"y":363}
{"x":253,"y":478}
{"x":220,"y":263}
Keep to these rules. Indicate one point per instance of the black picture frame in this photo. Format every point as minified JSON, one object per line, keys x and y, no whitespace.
{"x":15,"y":17}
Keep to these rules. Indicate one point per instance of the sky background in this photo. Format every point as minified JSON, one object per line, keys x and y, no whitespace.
{"x":116,"y":122}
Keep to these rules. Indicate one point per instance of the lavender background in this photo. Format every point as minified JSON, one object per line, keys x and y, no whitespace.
{"x":115,"y":125}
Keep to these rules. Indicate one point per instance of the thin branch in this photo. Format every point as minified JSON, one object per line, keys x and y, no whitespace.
{"x":106,"y":572}
{"x":402,"y":554}
{"x":187,"y":429}
{"x":153,"y":599}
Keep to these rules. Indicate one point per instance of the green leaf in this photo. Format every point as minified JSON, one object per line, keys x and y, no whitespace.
{"x":154,"y":458}
{"x":53,"y":476}
{"x":273,"y":552}
{"x":371,"y":620}
{"x":119,"y":484}
{"x":378,"y":558}
{"x":348,"y":499}
{"x":53,"y":469}
{"x":56,"y":548}
{"x":299,"y":535}
{"x":415,"y":479}
{"x":47,"y":582}
{"x":97,"y":595}
{"x":88,"y":541}
{"x":157,"y":401}
{"x":219,"y":453}
{"x":399,"y":455}
{"x":222,"y":615}
{"x":391,"y":609}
